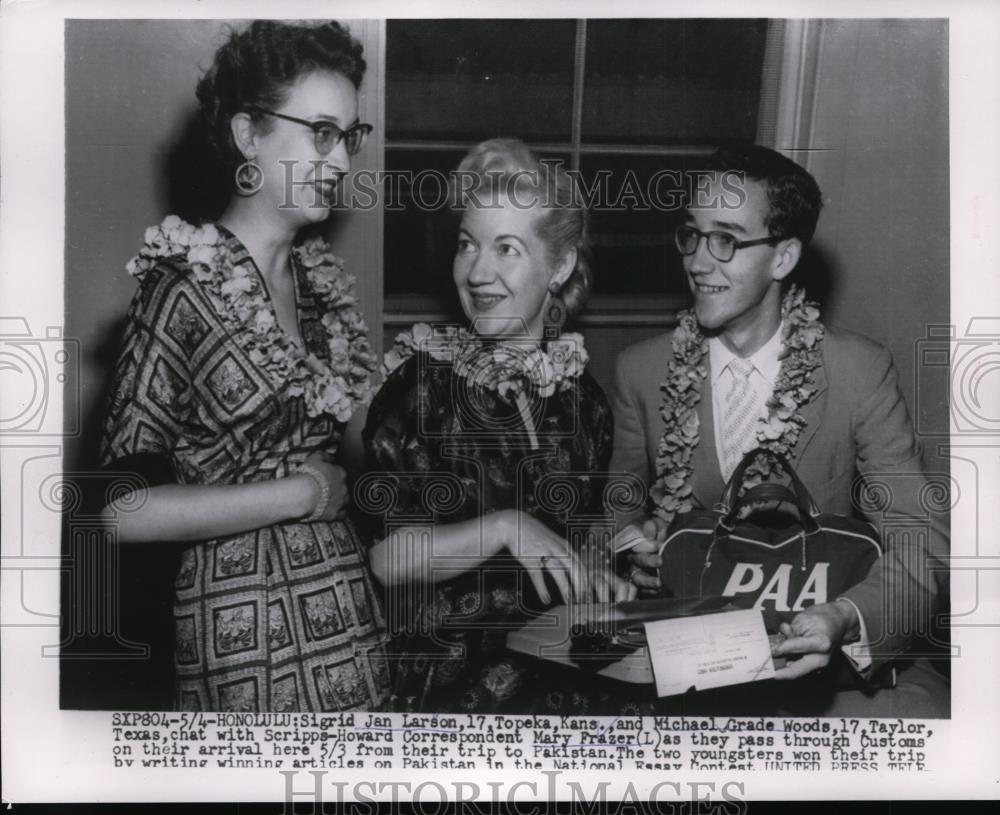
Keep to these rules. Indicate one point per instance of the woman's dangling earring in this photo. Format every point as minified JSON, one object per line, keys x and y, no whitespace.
{"x":249,"y":178}
{"x":555,"y":313}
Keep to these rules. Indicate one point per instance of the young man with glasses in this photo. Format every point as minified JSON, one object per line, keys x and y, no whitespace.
{"x":743,"y":236}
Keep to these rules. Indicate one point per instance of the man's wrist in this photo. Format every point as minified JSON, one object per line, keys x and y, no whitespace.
{"x":851,"y":621}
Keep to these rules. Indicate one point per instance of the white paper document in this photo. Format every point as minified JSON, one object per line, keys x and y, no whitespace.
{"x":708,"y":651}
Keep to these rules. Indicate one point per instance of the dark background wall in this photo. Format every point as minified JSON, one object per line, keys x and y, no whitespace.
{"x":880,"y":151}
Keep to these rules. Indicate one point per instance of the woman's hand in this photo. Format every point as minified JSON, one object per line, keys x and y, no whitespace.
{"x":435,"y":553}
{"x":542,"y":552}
{"x":336,"y":481}
{"x":608,"y":587}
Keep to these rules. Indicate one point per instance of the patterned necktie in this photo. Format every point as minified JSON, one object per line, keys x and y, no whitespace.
{"x":740,"y":416}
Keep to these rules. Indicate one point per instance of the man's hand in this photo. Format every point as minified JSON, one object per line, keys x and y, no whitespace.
{"x":645,"y":558}
{"x":813,"y":636}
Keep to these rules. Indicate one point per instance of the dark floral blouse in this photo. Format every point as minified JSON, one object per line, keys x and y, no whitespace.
{"x":441,"y":449}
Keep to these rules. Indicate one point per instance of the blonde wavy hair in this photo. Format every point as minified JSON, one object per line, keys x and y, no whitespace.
{"x":508,"y":168}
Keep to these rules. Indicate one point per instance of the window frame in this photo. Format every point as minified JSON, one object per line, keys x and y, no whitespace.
{"x":787,"y":104}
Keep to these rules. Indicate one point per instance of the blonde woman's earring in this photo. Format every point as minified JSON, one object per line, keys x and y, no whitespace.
{"x":555,"y":317}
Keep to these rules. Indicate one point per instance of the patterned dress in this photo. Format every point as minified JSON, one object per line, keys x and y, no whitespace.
{"x":283,"y":618}
{"x":442,"y":450}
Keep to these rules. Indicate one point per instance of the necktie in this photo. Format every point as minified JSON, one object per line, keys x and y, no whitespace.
{"x":740,"y":417}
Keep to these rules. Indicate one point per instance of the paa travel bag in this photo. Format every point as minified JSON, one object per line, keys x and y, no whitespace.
{"x":771,"y":560}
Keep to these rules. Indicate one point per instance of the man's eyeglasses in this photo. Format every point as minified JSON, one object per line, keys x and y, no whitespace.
{"x":721,"y":245}
{"x":327,"y":134}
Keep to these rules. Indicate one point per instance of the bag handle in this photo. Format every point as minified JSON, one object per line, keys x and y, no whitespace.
{"x":768,"y":493}
{"x":730,"y":504}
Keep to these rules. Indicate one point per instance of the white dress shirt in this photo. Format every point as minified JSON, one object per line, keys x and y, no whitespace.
{"x":766,"y":365}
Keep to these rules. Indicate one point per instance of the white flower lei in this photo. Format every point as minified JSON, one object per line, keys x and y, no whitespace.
{"x":336,"y":388}
{"x":777,"y":432}
{"x":509,"y":368}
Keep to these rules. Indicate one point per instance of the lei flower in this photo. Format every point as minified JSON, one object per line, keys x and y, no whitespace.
{"x":509,"y":368}
{"x":336,"y":387}
{"x":777,"y":431}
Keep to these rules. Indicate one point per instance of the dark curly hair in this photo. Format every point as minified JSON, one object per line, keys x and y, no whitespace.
{"x":256,"y":67}
{"x":793,"y":196}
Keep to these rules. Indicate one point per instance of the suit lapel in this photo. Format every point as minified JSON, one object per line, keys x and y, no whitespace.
{"x":707,"y":481}
{"x":811,"y":413}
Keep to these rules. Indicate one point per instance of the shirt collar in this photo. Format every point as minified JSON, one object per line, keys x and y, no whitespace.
{"x":766,"y":359}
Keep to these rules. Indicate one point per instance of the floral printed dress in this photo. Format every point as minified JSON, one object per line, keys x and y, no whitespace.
{"x":441,"y":449}
{"x":283,"y":618}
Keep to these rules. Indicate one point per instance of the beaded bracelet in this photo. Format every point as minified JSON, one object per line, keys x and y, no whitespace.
{"x":323,"y":501}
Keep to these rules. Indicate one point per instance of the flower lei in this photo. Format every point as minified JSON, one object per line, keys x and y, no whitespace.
{"x":509,"y":368}
{"x":336,"y":387}
{"x":777,"y":432}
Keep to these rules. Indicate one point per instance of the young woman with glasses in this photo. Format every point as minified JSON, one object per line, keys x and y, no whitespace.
{"x":243,"y":358}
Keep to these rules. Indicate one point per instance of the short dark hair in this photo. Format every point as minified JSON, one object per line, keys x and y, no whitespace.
{"x":793,"y":196}
{"x":256,"y":67}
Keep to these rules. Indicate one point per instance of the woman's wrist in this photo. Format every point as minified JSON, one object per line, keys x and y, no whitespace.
{"x":305,"y":495}
{"x":322,"y":489}
{"x":502,"y":531}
